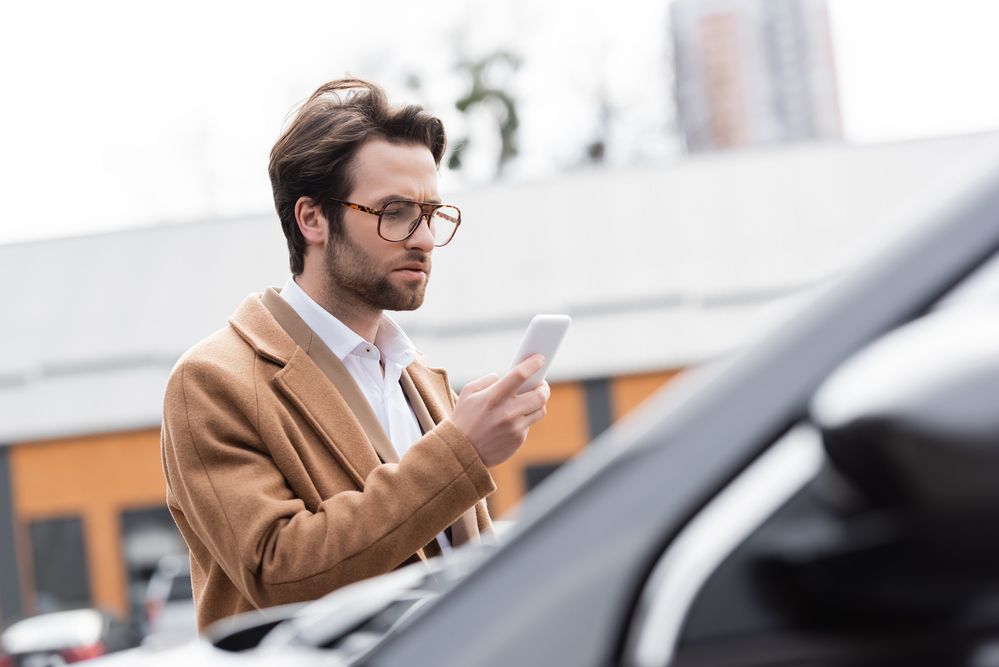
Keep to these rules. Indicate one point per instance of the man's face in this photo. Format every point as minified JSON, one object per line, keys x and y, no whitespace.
{"x":376,"y":272}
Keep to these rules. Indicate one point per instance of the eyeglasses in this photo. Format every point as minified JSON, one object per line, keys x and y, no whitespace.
{"x":399,"y":218}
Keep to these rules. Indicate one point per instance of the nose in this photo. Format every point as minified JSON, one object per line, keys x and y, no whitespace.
{"x":422,"y":238}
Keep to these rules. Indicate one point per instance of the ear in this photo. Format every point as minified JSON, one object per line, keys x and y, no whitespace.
{"x":311,"y":221}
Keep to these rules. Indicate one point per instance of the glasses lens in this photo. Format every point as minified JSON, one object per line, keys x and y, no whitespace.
{"x":398,"y":219}
{"x":443,"y":224}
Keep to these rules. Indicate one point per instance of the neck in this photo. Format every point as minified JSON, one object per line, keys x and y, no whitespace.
{"x":358,"y":316}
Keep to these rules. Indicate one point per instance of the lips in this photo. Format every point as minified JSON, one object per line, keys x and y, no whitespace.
{"x":413,"y":271}
{"x":413,"y":266}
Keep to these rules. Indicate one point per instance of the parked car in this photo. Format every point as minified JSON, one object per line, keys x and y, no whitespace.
{"x":64,"y":637}
{"x":826,"y":497}
{"x":169,"y":604}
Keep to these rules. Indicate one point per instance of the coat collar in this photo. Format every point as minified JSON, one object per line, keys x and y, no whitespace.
{"x":260,"y":329}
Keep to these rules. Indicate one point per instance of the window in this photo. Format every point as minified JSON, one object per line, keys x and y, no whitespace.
{"x":60,"y":564}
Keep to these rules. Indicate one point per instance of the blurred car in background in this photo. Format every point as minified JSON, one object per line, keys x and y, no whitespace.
{"x":828,"y":496}
{"x":64,"y":637}
{"x":168,"y":603}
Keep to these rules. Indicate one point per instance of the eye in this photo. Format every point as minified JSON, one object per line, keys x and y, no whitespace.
{"x":394,"y":211}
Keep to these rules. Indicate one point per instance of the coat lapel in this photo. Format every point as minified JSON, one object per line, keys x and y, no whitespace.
{"x":433,"y":388}
{"x":335,"y":372}
{"x":429,"y":393}
{"x":306,"y":386}
{"x":328,"y":413}
{"x":416,"y":402}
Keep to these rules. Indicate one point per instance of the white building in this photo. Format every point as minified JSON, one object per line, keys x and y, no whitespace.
{"x":681,"y":257}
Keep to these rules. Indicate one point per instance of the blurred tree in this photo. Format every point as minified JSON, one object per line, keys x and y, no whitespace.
{"x":484,"y":92}
{"x":596,"y":150}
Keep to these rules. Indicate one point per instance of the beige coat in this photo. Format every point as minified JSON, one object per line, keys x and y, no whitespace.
{"x":283,"y":482}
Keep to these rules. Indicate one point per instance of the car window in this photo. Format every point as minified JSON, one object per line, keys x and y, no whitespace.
{"x":180,"y":588}
{"x":671,"y":613}
{"x":838,"y":575}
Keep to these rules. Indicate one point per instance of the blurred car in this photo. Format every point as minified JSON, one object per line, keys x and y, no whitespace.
{"x":64,"y":637}
{"x":829,"y":496}
{"x":169,"y":604}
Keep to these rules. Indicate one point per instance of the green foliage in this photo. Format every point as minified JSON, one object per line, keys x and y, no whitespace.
{"x":483,"y":92}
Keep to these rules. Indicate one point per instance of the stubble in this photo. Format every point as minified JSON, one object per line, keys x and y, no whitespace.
{"x":353,"y":273}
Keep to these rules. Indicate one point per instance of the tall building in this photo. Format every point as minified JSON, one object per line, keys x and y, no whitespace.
{"x":753,"y":72}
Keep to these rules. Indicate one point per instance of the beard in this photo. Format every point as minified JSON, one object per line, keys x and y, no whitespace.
{"x":350,"y":271}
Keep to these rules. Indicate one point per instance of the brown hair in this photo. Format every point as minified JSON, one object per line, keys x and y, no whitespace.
{"x":313,"y":157}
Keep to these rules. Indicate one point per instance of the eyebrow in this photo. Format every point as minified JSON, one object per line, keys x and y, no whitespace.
{"x":388,"y":198}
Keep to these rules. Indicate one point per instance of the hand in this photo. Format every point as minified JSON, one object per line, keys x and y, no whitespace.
{"x":494,"y":417}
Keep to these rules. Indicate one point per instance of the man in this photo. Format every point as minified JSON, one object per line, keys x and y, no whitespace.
{"x":306,"y":445}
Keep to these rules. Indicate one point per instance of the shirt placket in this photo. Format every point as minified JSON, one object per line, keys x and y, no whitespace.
{"x":375,"y":387}
{"x":393,"y":396}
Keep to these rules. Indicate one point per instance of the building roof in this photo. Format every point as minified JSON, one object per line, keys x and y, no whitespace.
{"x":660,"y":267}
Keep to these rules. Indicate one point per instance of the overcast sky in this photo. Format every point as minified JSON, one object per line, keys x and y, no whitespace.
{"x":136,"y":113}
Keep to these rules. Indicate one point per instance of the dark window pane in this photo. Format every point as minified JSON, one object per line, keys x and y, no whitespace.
{"x":10,"y":587}
{"x":599,"y":416}
{"x":60,"y":564}
{"x":534,"y":475}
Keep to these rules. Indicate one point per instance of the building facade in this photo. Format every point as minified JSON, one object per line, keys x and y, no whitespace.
{"x":753,"y":72}
{"x":84,"y":521}
{"x":661,"y":268}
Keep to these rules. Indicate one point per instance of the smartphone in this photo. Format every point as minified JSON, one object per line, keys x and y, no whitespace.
{"x":543,"y":336}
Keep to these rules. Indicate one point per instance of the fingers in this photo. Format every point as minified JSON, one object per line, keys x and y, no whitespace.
{"x":528,"y":420}
{"x":480,"y":384}
{"x":532,"y":400}
{"x":497,"y":421}
{"x":510,"y":383}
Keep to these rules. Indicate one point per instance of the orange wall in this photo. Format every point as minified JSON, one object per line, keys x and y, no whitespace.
{"x":94,"y":477}
{"x":560,"y":435}
{"x":629,"y":391}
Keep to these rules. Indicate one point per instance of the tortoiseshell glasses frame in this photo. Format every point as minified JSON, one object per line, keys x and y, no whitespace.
{"x":400,"y":218}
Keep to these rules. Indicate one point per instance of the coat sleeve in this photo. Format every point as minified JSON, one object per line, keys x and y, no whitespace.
{"x":221,"y":476}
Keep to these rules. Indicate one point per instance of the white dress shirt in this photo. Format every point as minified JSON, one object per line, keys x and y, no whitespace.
{"x":391,"y":350}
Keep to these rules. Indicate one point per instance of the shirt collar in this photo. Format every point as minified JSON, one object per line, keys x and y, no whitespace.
{"x":393,"y":342}
{"x":390,"y":340}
